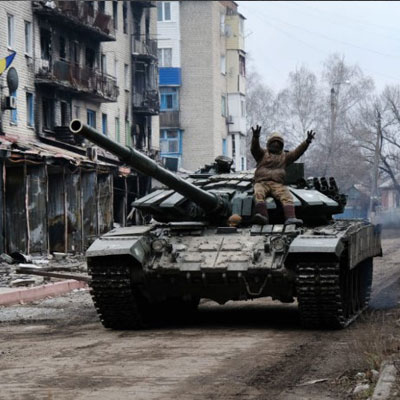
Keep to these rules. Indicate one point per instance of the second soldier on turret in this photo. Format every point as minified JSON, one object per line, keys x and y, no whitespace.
{"x":270,"y":174}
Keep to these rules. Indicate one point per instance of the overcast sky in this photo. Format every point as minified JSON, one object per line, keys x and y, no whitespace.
{"x":281,"y":35}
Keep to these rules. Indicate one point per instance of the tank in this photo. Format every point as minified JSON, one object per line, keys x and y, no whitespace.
{"x":194,"y":249}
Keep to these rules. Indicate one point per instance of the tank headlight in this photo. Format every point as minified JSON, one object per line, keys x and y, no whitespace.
{"x":278,"y":244}
{"x":159,"y":245}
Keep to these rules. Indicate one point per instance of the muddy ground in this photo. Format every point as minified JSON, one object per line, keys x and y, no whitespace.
{"x":57,"y":349}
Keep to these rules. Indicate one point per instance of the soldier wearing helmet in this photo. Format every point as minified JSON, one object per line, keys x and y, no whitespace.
{"x":270,"y":174}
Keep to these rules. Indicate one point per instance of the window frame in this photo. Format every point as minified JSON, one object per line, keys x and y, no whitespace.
{"x":93,"y":114}
{"x":14,"y":113}
{"x":126,"y":77}
{"x":162,"y":57}
{"x":10,"y":31}
{"x":223,"y":64}
{"x":165,"y":92}
{"x":30,"y":110}
{"x":115,"y":14}
{"x":117,"y":129}
{"x":28,"y":38}
{"x":128,"y":136}
{"x":223,"y":106}
{"x":169,"y":140}
{"x":104,"y":124}
{"x":161,"y":11}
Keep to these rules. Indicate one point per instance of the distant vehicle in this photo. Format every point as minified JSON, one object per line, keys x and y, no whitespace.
{"x":202,"y":244}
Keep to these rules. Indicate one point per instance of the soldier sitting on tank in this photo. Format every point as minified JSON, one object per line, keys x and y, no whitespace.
{"x":270,"y":174}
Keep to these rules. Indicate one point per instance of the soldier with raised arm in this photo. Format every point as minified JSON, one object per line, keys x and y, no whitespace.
{"x":270,"y":174}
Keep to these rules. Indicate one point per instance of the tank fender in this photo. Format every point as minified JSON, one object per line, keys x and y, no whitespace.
{"x":317,"y":244}
{"x":137,"y":247}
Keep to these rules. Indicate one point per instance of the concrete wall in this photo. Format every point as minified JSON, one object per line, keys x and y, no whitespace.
{"x":22,"y":11}
{"x":202,"y":82}
{"x":168,"y":33}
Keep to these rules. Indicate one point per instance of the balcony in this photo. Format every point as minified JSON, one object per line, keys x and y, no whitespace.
{"x":80,"y":16}
{"x":169,"y":119}
{"x":146,"y":103}
{"x":84,"y":82}
{"x":144,"y":48}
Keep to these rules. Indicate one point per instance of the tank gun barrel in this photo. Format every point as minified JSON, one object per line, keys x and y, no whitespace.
{"x":146,"y":166}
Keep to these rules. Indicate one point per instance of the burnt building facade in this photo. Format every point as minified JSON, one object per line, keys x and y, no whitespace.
{"x":92,"y":60}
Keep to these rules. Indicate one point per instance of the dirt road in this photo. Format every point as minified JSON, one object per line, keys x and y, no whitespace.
{"x":57,"y":349}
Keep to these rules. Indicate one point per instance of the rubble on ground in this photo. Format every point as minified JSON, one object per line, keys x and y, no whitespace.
{"x":59,"y":262}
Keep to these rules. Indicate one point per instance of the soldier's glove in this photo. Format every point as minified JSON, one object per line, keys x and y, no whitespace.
{"x":310,"y":136}
{"x":256,"y":131}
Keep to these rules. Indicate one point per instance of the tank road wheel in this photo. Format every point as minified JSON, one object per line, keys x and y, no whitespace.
{"x":330,"y":296}
{"x":119,"y":306}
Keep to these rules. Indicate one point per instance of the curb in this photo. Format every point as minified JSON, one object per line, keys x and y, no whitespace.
{"x":39,"y":292}
{"x":385,"y":382}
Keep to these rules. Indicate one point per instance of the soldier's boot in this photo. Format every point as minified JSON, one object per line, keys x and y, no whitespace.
{"x":290,"y":216}
{"x":261,"y":215}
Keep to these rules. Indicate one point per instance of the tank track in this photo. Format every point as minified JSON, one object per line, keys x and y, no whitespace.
{"x":330,"y":296}
{"x":113,"y":296}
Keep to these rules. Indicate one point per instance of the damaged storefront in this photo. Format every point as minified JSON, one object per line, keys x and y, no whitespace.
{"x":53,"y":200}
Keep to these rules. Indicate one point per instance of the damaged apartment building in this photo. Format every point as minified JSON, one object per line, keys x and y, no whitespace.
{"x":92,"y":60}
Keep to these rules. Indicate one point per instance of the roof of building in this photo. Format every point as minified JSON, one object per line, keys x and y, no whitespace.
{"x":388,"y":183}
{"x":39,"y":150}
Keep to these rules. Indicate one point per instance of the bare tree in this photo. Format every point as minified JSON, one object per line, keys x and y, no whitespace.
{"x":261,"y":109}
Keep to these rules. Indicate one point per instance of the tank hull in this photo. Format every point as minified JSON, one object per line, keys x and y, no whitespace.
{"x":328,"y":269}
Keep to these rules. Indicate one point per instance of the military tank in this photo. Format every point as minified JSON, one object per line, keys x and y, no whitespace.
{"x":190,"y":250}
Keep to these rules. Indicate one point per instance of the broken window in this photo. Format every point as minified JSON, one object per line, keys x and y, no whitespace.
{"x":90,"y":57}
{"x":48,"y":114}
{"x":74,"y":52}
{"x":137,"y":17}
{"x":115,"y":14}
{"x":65,"y":119}
{"x":103,"y":65}
{"x":90,"y":8}
{"x":45,"y":44}
{"x":77,"y":112}
{"x":29,"y":109}
{"x":242,"y":65}
{"x":126,"y":76}
{"x":125,"y":16}
{"x":63,"y":48}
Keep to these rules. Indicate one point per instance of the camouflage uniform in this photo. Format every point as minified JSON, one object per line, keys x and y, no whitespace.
{"x":270,"y":176}
{"x":278,"y":191}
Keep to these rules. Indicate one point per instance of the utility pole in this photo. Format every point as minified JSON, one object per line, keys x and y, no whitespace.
{"x":375,"y":171}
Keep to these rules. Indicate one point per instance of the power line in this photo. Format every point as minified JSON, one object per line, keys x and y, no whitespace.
{"x":326,"y":37}
{"x":264,"y":19}
{"x":305,"y":8}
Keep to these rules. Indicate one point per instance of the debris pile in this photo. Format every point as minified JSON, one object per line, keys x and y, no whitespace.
{"x":18,"y":269}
